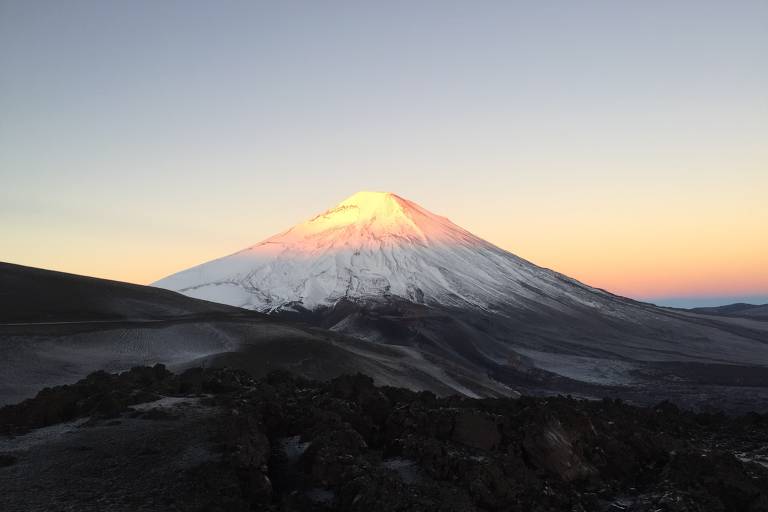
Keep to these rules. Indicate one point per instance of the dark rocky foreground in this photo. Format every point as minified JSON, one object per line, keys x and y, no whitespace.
{"x":218,"y":440}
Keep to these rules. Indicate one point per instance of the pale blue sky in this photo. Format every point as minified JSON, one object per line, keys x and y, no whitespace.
{"x":140,"y":137}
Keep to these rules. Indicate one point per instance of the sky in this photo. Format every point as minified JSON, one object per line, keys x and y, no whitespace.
{"x":622,"y":143}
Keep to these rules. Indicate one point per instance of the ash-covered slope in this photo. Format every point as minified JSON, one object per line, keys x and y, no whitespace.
{"x":381,"y":268}
{"x":56,"y":327}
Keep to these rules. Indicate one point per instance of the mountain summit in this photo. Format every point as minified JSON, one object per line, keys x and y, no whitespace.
{"x":370,"y":217}
{"x":375,"y":244}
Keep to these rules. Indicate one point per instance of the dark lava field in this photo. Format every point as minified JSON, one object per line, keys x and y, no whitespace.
{"x":218,"y":440}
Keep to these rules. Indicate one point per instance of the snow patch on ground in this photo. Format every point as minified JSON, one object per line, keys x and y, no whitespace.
{"x":757,"y":456}
{"x":607,"y":372}
{"x":167,"y":402}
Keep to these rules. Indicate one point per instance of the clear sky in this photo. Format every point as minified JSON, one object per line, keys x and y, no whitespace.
{"x":622,"y":143}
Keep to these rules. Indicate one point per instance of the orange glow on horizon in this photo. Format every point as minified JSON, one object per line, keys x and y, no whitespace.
{"x":631,"y":251}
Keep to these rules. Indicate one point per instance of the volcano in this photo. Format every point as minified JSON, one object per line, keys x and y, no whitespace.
{"x":383,"y":269}
{"x":373,"y":245}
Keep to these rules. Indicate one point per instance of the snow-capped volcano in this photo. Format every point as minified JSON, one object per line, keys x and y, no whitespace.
{"x":382,"y":269}
{"x":371,"y":244}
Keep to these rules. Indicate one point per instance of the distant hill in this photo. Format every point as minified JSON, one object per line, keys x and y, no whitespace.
{"x":29,"y":294}
{"x":739,"y":309}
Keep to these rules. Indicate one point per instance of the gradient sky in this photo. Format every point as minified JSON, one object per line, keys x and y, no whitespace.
{"x":622,"y":143}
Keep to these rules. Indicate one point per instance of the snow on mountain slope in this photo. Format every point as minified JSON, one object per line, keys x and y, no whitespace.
{"x":374,"y":244}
